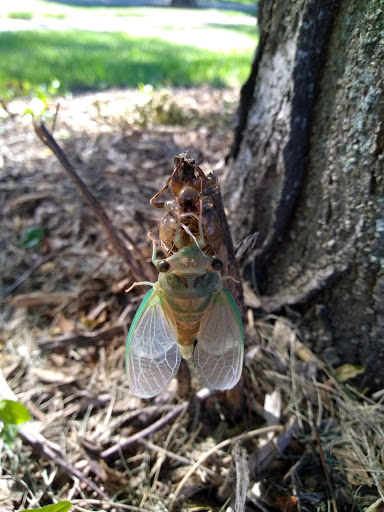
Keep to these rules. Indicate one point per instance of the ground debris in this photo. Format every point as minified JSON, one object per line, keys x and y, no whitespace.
{"x":65,"y":315}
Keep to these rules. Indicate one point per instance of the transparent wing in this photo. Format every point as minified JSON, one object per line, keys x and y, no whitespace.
{"x":219,"y":351}
{"x":153,"y":355}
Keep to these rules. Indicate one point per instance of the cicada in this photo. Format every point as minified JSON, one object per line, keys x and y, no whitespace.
{"x":188,"y":313}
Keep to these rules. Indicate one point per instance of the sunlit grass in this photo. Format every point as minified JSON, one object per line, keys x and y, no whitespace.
{"x":21,"y":15}
{"x":42,"y":8}
{"x":89,"y":60}
{"x":99,"y":48}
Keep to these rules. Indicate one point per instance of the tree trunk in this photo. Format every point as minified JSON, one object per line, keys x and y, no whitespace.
{"x":306,"y":172}
{"x":184,"y":3}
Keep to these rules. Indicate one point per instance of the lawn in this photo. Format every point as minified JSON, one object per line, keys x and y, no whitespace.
{"x":99,"y":48}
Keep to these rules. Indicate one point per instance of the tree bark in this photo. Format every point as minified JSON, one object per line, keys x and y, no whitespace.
{"x":306,"y":172}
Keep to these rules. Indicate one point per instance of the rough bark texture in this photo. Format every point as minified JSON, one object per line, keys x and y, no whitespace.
{"x":307,"y":173}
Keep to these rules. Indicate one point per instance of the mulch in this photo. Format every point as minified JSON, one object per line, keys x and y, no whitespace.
{"x":291,"y":436}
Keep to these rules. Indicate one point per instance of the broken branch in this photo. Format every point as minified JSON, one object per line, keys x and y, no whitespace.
{"x":96,"y":207}
{"x":124,"y":443}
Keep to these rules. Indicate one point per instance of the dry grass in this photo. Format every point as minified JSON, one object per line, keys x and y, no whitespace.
{"x":323,"y":448}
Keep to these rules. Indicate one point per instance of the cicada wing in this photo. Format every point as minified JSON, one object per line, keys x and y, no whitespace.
{"x":153,"y":355}
{"x":219,"y":351}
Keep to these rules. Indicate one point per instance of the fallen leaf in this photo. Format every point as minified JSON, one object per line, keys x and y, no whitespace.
{"x":53,"y":376}
{"x":272,"y":407}
{"x":287,"y":503}
{"x":35,"y":299}
{"x":94,"y":322}
{"x":62,"y":325}
{"x":349,"y":371}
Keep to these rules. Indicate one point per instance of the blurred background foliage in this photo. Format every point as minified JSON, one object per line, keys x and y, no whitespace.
{"x":97,"y":48}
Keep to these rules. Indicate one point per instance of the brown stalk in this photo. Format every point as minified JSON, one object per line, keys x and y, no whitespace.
{"x":174,"y":456}
{"x":325,"y":468}
{"x":223,"y":444}
{"x":124,"y":443}
{"x":93,"y":203}
{"x":40,"y":443}
{"x":227,"y":252}
{"x":92,"y":339}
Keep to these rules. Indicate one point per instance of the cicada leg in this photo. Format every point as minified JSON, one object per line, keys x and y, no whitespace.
{"x":154,"y":201}
{"x":153,"y":247}
{"x":138,"y":283}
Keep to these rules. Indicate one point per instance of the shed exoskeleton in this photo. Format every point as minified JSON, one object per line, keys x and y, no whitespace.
{"x":192,"y":203}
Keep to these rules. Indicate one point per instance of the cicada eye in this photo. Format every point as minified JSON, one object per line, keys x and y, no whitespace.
{"x":163,"y":266}
{"x":217,"y":264}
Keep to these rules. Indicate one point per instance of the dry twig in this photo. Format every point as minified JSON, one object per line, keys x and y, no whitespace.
{"x":124,"y":443}
{"x":83,"y":340}
{"x":94,"y":204}
{"x":30,"y":433}
{"x":41,"y":260}
{"x":38,"y":441}
{"x":223,"y":444}
{"x":325,"y":468}
{"x":171,"y":455}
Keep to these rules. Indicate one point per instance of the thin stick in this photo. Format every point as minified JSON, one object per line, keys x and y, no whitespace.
{"x":180,"y":458}
{"x":325,"y":468}
{"x":148,"y":267}
{"x":124,"y":443}
{"x":29,"y":433}
{"x":94,"y":204}
{"x":223,"y":444}
{"x":83,"y":340}
{"x":38,"y":441}
{"x":10,"y":288}
{"x":227,"y":251}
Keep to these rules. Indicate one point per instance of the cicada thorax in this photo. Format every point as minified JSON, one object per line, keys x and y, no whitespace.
{"x":186,"y":299}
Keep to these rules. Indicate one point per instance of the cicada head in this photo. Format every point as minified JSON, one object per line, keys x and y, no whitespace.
{"x":188,"y":261}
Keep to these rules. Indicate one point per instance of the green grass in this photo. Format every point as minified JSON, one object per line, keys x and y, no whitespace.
{"x":88,"y":61}
{"x":21,"y":15}
{"x":57,"y":16}
{"x":41,"y":8}
{"x":160,"y":46}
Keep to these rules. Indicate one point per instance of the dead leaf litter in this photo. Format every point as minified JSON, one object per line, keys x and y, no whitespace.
{"x":292,"y":436}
